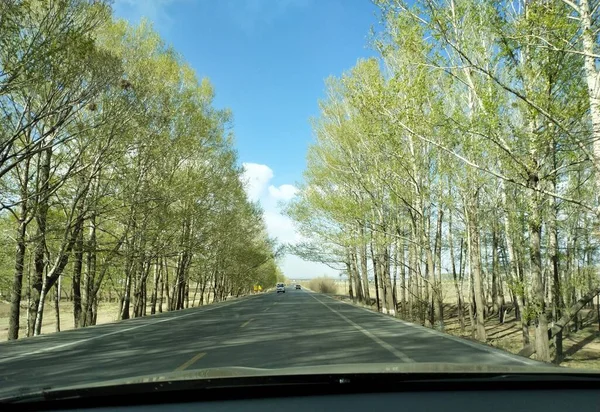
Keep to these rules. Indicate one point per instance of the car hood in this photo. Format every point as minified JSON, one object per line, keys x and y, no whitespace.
{"x":340,"y":369}
{"x":239,"y":375}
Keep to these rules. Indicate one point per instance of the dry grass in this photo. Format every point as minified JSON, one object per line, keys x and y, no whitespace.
{"x":581,"y":349}
{"x":323,"y":285}
{"x":107,"y":312}
{"x":449,"y":294}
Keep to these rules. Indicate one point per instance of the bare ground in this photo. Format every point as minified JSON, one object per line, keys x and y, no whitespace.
{"x":107,"y":312}
{"x":581,"y":349}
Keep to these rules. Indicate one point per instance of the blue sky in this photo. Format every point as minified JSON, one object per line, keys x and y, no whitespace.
{"x":267,"y":60}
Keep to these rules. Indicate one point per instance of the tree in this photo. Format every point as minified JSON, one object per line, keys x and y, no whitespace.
{"x":119,"y":175}
{"x":472,"y":123}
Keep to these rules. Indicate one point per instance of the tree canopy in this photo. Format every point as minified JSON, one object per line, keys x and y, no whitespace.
{"x":119,"y":178}
{"x":466,"y":150}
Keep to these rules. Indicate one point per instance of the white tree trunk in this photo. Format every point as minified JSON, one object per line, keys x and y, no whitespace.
{"x":37,"y":330}
{"x":592,"y":77}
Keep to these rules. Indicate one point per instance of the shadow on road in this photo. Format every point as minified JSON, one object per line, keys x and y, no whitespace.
{"x":278,"y":331}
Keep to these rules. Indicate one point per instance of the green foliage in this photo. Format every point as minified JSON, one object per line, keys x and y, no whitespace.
{"x":140,"y":160}
{"x":475,"y":110}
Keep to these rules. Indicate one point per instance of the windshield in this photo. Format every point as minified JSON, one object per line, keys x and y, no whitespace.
{"x":426,"y":174}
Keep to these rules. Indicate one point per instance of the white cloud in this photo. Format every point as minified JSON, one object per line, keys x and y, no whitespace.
{"x":281,"y":227}
{"x":283,"y":192}
{"x":256,"y":178}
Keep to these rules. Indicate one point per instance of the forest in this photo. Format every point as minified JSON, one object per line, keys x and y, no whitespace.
{"x":119,"y":180}
{"x":465,"y":152}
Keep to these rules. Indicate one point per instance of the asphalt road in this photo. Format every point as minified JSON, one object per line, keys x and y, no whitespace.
{"x":270,"y":330}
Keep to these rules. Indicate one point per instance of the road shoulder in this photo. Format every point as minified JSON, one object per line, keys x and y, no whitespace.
{"x":476,"y":345}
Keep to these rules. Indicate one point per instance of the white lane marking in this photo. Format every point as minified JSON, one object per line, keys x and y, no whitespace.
{"x":479,"y":346}
{"x":76,"y":342}
{"x":381,"y":343}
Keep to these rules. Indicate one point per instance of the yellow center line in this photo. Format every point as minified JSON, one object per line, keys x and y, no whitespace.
{"x":191,"y":361}
{"x":247,"y":322}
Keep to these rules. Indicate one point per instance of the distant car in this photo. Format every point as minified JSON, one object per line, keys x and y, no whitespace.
{"x":280,"y":287}
{"x":298,"y":286}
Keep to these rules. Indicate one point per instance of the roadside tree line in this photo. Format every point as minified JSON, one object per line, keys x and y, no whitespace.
{"x":118,"y":176}
{"x":469,"y":150}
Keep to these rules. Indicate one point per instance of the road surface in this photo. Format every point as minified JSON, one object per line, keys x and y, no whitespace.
{"x":269,"y":330}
